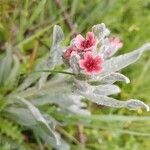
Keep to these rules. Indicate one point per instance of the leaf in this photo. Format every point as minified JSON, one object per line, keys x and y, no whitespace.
{"x":110,"y":79}
{"x":58,"y":36}
{"x":78,"y":111}
{"x":134,"y":104}
{"x":107,"y":49}
{"x":24,"y":117}
{"x":5,"y":65}
{"x":14,"y":71}
{"x":50,"y":141}
{"x":55,"y":56}
{"x":39,"y":118}
{"x":107,"y":89}
{"x":111,"y":102}
{"x":117,"y":63}
{"x":32,"y":78}
{"x":21,"y":115}
{"x":74,"y":64}
{"x":100,"y":31}
{"x":66,"y":101}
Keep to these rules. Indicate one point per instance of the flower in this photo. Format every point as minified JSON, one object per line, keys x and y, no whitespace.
{"x":85,"y":44}
{"x":67,"y":54}
{"x":116,"y":42}
{"x":91,"y":64}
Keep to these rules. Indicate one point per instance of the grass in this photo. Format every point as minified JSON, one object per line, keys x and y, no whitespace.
{"x":24,"y":23}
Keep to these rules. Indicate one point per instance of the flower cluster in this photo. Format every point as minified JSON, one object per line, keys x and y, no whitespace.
{"x":91,"y":60}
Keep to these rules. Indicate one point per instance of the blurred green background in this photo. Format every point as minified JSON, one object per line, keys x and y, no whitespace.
{"x":26,"y":22}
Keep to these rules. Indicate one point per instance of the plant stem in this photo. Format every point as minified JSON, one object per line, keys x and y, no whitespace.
{"x":56,"y":71}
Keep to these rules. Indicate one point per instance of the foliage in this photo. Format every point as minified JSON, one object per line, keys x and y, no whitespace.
{"x":28,"y":99}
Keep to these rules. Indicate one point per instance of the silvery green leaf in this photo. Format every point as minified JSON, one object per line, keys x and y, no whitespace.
{"x":117,"y":63}
{"x":64,"y":101}
{"x":28,"y":81}
{"x":33,"y":77}
{"x":39,"y":118}
{"x":110,"y":79}
{"x":50,"y":140}
{"x":74,"y":64}
{"x":47,"y":62}
{"x":57,"y":85}
{"x":6,"y":64}
{"x":134,"y":104}
{"x":57,"y":91}
{"x":114,"y":77}
{"x":106,"y":89}
{"x":107,"y":49}
{"x":55,"y":55}
{"x":14,"y":71}
{"x":58,"y":35}
{"x":111,"y":102}
{"x":83,"y":86}
{"x":51,"y":121}
{"x":22,"y":115}
{"x":76,"y":99}
{"x":42,"y":79}
{"x":100,"y":31}
{"x":75,"y":109}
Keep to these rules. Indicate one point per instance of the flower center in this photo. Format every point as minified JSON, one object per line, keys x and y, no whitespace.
{"x":90,"y":64}
{"x":86,"y":44}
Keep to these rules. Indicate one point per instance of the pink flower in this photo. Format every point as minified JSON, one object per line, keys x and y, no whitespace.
{"x":91,"y":64}
{"x":67,"y":54}
{"x":116,"y":42}
{"x":85,"y":44}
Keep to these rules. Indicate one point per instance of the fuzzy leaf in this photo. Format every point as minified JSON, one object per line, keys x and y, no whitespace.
{"x":21,"y":115}
{"x":5,"y":65}
{"x":114,"y":77}
{"x":111,"y":102}
{"x":100,"y":30}
{"x":107,"y":89}
{"x":55,"y":55}
{"x":74,"y":64}
{"x":14,"y":71}
{"x":117,"y":63}
{"x":50,"y":141}
{"x":110,"y":79}
{"x":39,"y":117}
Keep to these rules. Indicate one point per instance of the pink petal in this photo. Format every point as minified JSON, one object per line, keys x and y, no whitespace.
{"x":98,"y":69}
{"x":81,"y":63}
{"x":88,"y":55}
{"x":90,"y":36}
{"x":89,"y":49}
{"x":116,"y":42}
{"x":78,"y":40}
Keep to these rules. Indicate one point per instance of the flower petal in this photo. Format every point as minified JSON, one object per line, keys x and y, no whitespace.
{"x":78,"y":40}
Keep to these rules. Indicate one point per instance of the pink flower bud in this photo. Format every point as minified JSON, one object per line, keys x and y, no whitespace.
{"x":116,"y":42}
{"x":67,"y":54}
{"x":85,"y":44}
